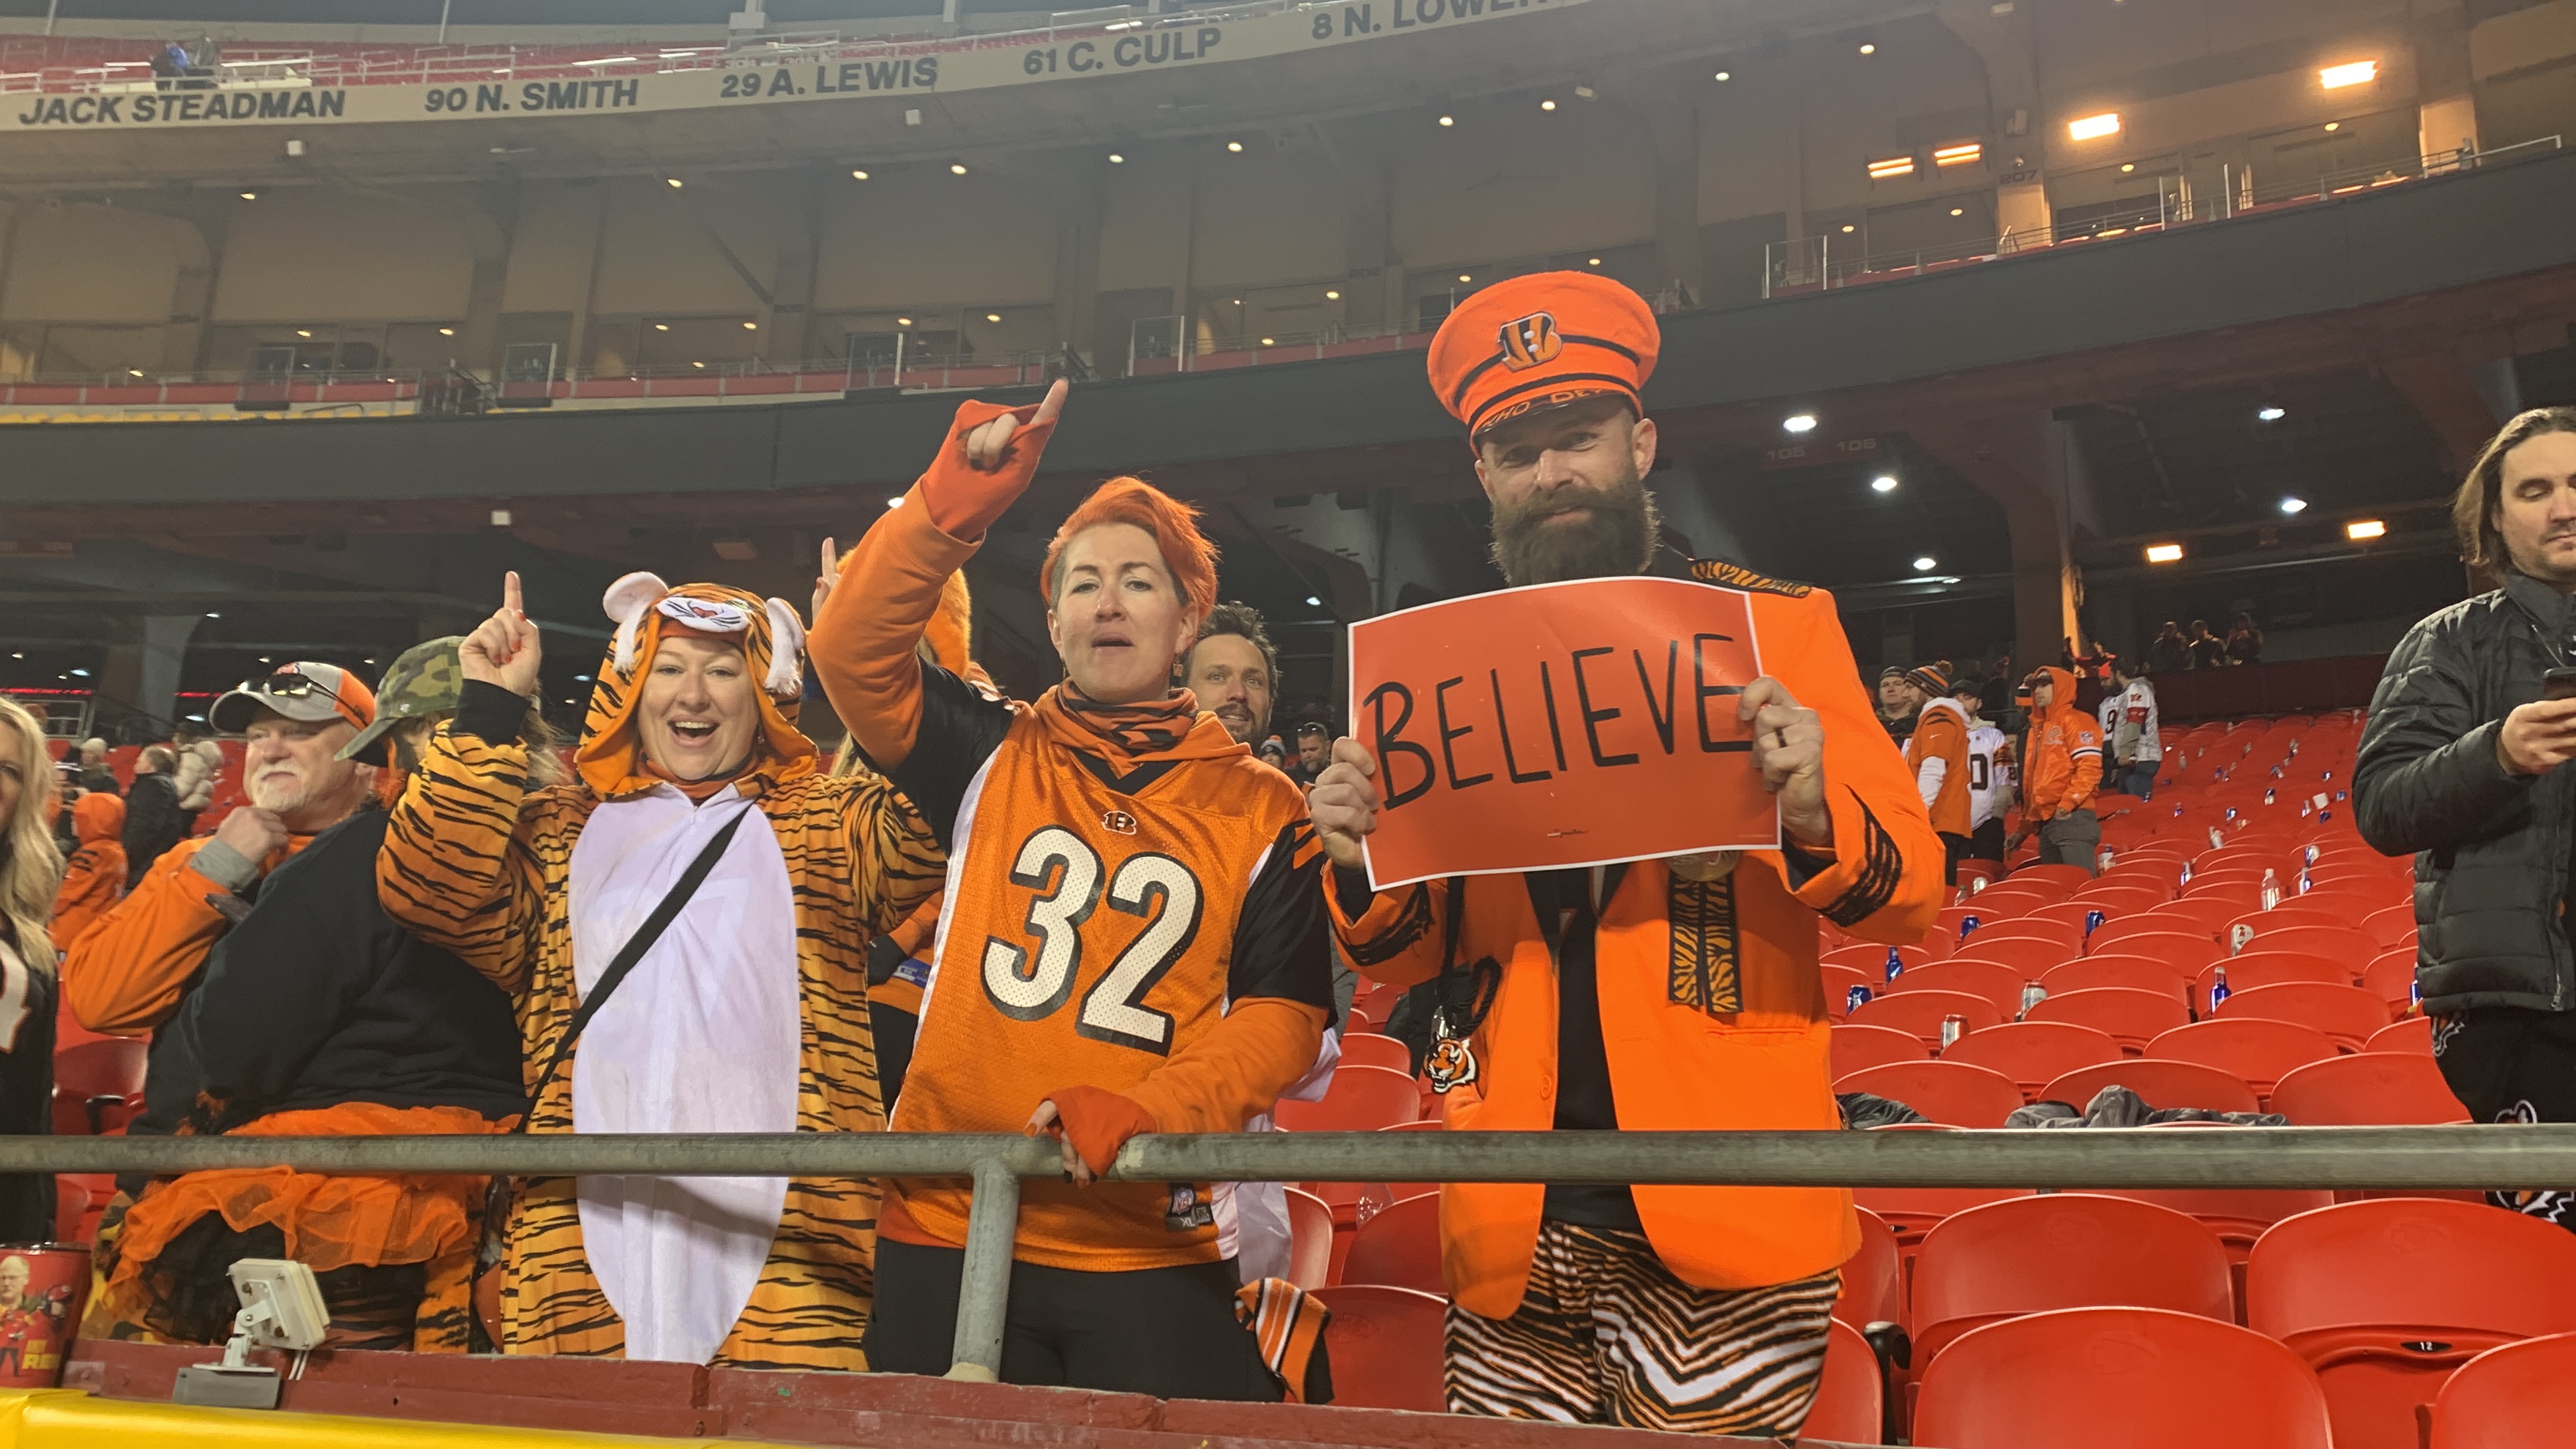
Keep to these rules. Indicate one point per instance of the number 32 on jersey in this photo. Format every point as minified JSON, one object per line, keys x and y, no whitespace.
{"x":1033,"y":980}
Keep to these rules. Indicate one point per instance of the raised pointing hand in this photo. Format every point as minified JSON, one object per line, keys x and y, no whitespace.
{"x":987,"y":446}
{"x":503,"y":649}
{"x":828,"y":574}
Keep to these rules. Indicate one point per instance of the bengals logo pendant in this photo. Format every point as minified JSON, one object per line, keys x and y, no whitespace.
{"x":1451,"y":1064}
{"x":1531,"y":340}
{"x":1119,"y":821}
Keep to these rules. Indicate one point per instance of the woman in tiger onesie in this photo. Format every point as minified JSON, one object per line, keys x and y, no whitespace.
{"x":748,"y":1014}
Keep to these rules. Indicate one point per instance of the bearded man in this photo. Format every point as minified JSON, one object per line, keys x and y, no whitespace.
{"x":1649,"y":994}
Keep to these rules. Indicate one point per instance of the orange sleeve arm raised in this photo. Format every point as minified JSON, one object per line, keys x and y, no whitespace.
{"x":125,"y":974}
{"x":864,"y":640}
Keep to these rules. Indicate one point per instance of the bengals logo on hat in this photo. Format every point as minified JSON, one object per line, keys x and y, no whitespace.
{"x":1531,"y":340}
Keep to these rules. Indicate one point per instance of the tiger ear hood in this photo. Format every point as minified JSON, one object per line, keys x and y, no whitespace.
{"x":645,"y":609}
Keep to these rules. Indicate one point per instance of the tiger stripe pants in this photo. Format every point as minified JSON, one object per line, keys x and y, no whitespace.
{"x":1606,"y":1334}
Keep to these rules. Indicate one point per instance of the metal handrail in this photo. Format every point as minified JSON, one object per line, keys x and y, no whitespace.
{"x":2258,"y":1157}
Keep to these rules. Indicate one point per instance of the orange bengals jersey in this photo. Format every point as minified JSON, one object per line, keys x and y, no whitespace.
{"x":1096,"y":925}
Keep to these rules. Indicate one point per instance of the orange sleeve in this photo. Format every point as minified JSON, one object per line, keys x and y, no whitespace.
{"x":1884,"y":881}
{"x":1397,"y":941}
{"x":1237,"y":1070}
{"x":125,"y":974}
{"x":913,"y":936}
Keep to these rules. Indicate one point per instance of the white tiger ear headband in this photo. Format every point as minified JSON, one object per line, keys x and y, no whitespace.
{"x":636,"y":595}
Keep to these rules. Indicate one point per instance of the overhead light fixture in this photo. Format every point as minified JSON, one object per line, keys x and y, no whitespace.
{"x":446,"y":331}
{"x":1116,"y":159}
{"x":895,"y":502}
{"x":1847,"y":228}
{"x":2294,"y":506}
{"x":2128,"y":166}
{"x":214,"y":614}
{"x":2351,"y":73}
{"x":1799,"y":423}
{"x":1464,"y":277}
{"x":303,"y":331}
{"x":1891,"y":168}
{"x":697,"y":364}
{"x":2164,"y":553}
{"x":1958,"y":211}
{"x":2270,"y":413}
{"x":1547,"y":105}
{"x":956,"y":168}
{"x":858,"y":174}
{"x":1269,"y":342}
{"x":751,"y":327}
{"x":1868,"y":49}
{"x":2365,"y":528}
{"x":672,"y":181}
{"x":1960,"y":154}
{"x":1313,"y":602}
{"x":1448,"y":120}
{"x":1234,"y":145}
{"x":1332,"y":296}
{"x":2094,"y":128}
{"x":2334,"y":125}
{"x":661,"y":326}
{"x":1238,"y":301}
{"x":250,"y":196}
{"x":1726,"y":75}
{"x":1883,"y":483}
{"x":1596,"y":261}
{"x":903,"y":321}
{"x":992,"y":316}
{"x":134,"y":372}
{"x":1924,"y":563}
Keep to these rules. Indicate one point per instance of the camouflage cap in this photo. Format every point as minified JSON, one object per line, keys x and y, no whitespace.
{"x":426,"y":680}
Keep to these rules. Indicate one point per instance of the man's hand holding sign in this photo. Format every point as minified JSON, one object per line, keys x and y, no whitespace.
{"x":1569,"y":724}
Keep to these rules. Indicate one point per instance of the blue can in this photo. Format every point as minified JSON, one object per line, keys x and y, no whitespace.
{"x":1895,"y":963}
{"x":1855,"y":999}
{"x":2218,"y":991}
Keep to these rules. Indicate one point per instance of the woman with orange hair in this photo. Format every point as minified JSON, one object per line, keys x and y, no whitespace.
{"x":1189,"y":1004}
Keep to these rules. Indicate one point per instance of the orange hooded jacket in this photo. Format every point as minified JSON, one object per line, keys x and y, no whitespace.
{"x":1712,"y":1010}
{"x":1941,"y":733}
{"x":2064,"y":767}
{"x":94,"y":876}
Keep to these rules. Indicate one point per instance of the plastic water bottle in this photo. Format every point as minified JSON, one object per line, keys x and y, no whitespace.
{"x":2092,"y":922}
{"x":1967,"y":925}
{"x":2308,"y":855}
{"x":1855,"y":999}
{"x":2032,"y":994}
{"x":2217,"y":988}
{"x":2271,"y":888}
{"x":1952,"y":1028}
{"x":2186,"y":865}
{"x":2267,"y":797}
{"x":2304,"y":882}
{"x":1895,"y":963}
{"x":2102,"y":860}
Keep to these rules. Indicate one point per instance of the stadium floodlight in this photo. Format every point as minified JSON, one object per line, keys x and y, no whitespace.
{"x":1236,"y":146}
{"x":1313,"y":602}
{"x":2270,"y":413}
{"x":956,"y":168}
{"x":446,"y":331}
{"x":250,"y":196}
{"x":992,"y":316}
{"x":2365,"y":528}
{"x":1799,"y":423}
{"x":1960,"y":154}
{"x":858,"y":174}
{"x":2164,"y":553}
{"x":1868,"y":49}
{"x":1891,"y":168}
{"x":1958,"y":211}
{"x":1883,"y":483}
{"x":1596,"y":261}
{"x":1448,"y":120}
{"x":1269,"y":342}
{"x":1547,"y":105}
{"x":1117,"y":160}
{"x":2294,"y":506}
{"x":1465,"y":277}
{"x":2094,"y":128}
{"x":1726,"y":75}
{"x":895,"y":502}
{"x":672,"y":181}
{"x":661,"y":326}
{"x":903,"y":321}
{"x":1332,"y":295}
{"x":2351,"y":73}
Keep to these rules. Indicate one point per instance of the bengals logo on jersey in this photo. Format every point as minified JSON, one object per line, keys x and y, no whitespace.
{"x":1452,"y":1064}
{"x":1119,"y":821}
{"x":1531,"y":340}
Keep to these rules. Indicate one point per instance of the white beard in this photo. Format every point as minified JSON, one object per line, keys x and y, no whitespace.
{"x":281,"y":792}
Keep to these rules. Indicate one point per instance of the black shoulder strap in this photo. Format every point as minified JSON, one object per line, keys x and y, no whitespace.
{"x":633,"y":951}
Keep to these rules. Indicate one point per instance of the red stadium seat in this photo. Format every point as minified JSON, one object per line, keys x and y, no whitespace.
{"x":2257,"y":969}
{"x":1910,"y":1212}
{"x":2385,"y":1298}
{"x":1870,"y":959}
{"x":2131,"y":1018}
{"x":1873,"y":1288}
{"x":1368,"y":1049}
{"x":2340,"y":944}
{"x":1850,"y":1402}
{"x":2348,"y":1014}
{"x":92,"y":1082}
{"x":1399,"y":1248}
{"x":1859,"y":1048}
{"x":1839,"y":980}
{"x":1922,"y":1012}
{"x":2028,"y":957}
{"x":1385,"y":1345}
{"x":2522,"y":1393}
{"x":2134,"y":1378}
{"x":2072,"y":877}
{"x":1950,"y":1093}
{"x":2391,"y":926}
{"x":1310,"y":1239}
{"x":2390,"y":976}
{"x":2190,"y":916}
{"x":2408,"y":1034}
{"x":2238,"y":1215}
{"x":2160,"y":1083}
{"x":1998,"y":983}
{"x":1362,"y":1099}
{"x":2063,"y":1250}
{"x":2259,"y":1050}
{"x":2034,"y":1053}
{"x":2136,"y":973}
{"x":2373,"y":1089}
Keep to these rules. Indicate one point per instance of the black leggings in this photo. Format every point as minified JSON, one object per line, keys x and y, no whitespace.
{"x":1169,"y":1332}
{"x":2506,"y":1064}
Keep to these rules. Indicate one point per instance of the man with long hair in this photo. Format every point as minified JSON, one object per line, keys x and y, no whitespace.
{"x":1648,"y":994}
{"x":1133,"y":937}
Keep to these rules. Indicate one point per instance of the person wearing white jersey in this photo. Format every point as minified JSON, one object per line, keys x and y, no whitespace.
{"x":2129,"y":729}
{"x":1990,"y":785}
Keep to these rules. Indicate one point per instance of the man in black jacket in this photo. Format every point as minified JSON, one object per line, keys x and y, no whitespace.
{"x":2460,"y":764}
{"x":153,"y":820}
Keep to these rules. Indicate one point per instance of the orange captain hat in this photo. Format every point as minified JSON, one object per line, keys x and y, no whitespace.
{"x":1540,"y":341}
